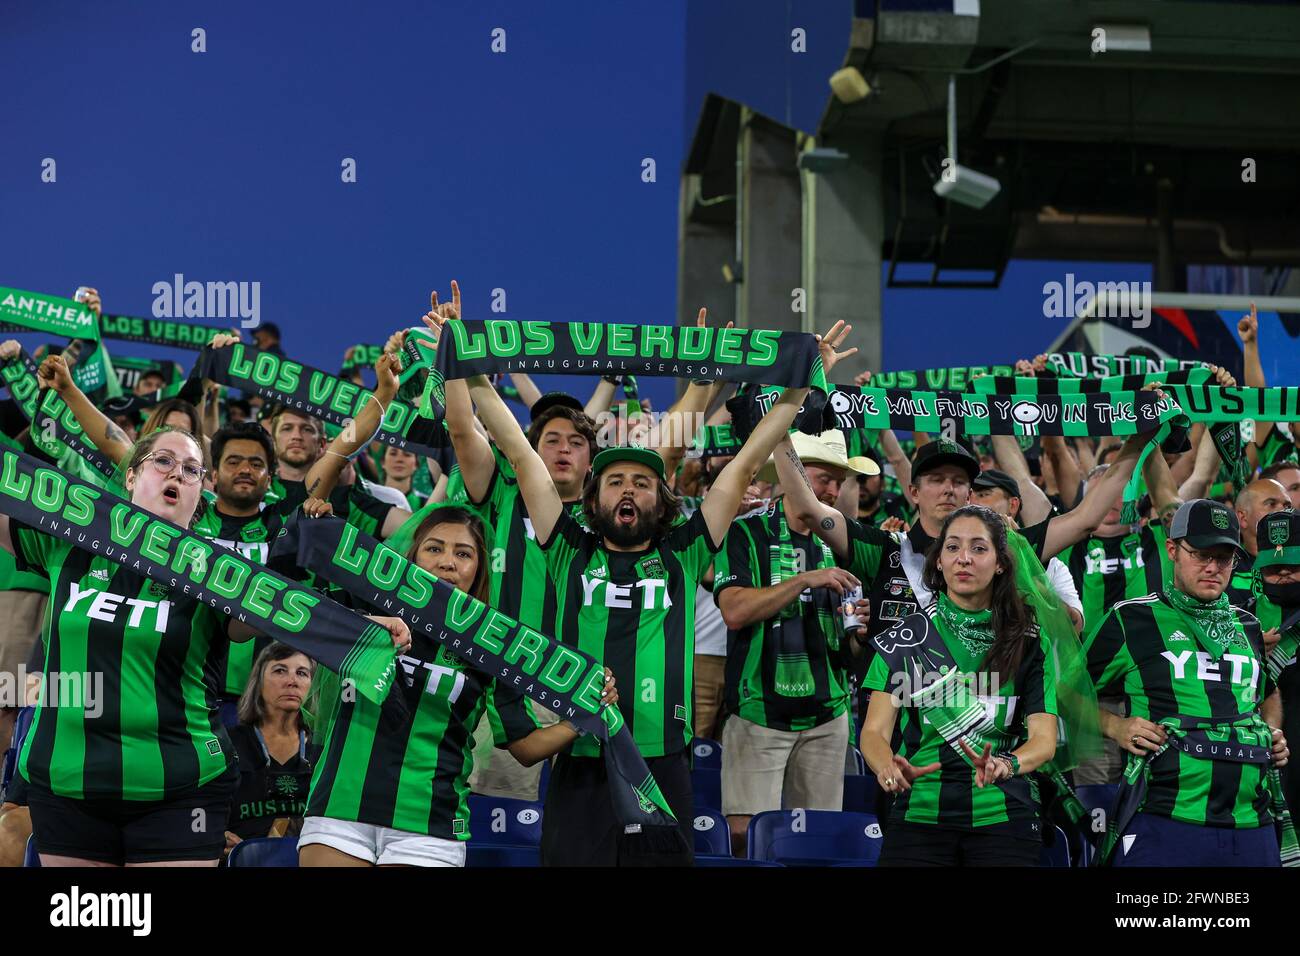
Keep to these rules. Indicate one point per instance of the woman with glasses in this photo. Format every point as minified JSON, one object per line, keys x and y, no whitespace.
{"x":130,"y":765}
{"x":1206,"y":716}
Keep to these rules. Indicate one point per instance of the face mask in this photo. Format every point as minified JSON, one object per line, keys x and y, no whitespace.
{"x":1283,"y":595}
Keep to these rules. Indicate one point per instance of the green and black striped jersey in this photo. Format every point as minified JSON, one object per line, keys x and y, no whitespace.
{"x":252,"y":537}
{"x":405,"y":764}
{"x":1109,"y":570}
{"x":351,"y":502}
{"x":1155,"y":656}
{"x":134,"y":668}
{"x":520,"y":585}
{"x":635,"y":611}
{"x":875,"y":559}
{"x":754,"y":658}
{"x":949,"y":797}
{"x":1277,"y":447}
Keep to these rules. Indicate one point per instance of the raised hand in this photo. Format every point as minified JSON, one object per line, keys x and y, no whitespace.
{"x":862,"y":378}
{"x":10,"y":349}
{"x":831,"y":341}
{"x":386,"y":368}
{"x":53,"y":373}
{"x":221,"y":340}
{"x":1248,"y":326}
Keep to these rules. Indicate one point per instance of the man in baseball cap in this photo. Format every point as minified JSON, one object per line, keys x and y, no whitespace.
{"x":1277,"y":605}
{"x":1192,"y":665}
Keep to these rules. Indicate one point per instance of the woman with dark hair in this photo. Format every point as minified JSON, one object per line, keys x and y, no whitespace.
{"x":977,"y":691}
{"x":275,"y":756}
{"x":141,"y":775}
{"x":391,"y":787}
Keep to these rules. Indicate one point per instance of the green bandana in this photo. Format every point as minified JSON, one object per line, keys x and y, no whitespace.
{"x":1215,"y":620}
{"x":973,"y":628}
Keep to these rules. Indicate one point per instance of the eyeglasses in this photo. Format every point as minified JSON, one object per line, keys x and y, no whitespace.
{"x":165,"y":463}
{"x":1205,"y":559}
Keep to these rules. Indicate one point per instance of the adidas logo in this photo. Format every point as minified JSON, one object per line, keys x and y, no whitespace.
{"x":100,"y":574}
{"x":597,"y":572}
{"x":1178,"y":636}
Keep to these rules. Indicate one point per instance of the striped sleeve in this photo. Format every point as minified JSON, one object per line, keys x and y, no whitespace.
{"x":1107,"y":652}
{"x":867,"y":544}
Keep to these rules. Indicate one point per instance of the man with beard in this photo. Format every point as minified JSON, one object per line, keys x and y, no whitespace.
{"x":875,"y":505}
{"x":244,"y":459}
{"x":788,"y":688}
{"x":1277,"y":568}
{"x":625,"y":593}
{"x":1204,"y":730}
{"x":1261,"y":497}
{"x":299,"y":444}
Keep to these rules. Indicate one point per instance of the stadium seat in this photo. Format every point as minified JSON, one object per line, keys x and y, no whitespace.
{"x":861,"y":793}
{"x":22,"y":723}
{"x":477,"y":855}
{"x":1058,"y":853}
{"x":707,"y":786}
{"x":859,"y":762}
{"x":704,"y":860}
{"x":706,"y":754}
{"x":814,"y":837}
{"x":30,"y":857}
{"x":1099,"y":799}
{"x":265,"y":851}
{"x":504,"y":822}
{"x":712,"y":837}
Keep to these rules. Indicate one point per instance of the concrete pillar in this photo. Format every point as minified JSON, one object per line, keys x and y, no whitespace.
{"x":770,"y":214}
{"x":844,"y":225}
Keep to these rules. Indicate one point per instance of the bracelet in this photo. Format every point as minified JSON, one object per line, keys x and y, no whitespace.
{"x":1014,"y":762}
{"x":383,"y":412}
{"x":337,"y":455}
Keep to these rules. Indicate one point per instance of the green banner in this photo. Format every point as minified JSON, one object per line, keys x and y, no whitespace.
{"x":51,"y":314}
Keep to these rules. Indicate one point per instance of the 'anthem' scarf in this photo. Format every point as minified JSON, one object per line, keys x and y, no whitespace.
{"x":304,"y":389}
{"x":559,"y":677}
{"x":98,"y":522}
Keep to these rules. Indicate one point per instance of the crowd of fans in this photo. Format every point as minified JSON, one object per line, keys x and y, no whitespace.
{"x":772,"y":592}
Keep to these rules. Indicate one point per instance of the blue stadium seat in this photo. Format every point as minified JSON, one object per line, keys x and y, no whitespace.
{"x":814,"y":837}
{"x":22,"y":723}
{"x":705,"y":754}
{"x":1099,"y":799}
{"x":1058,"y":854}
{"x":504,"y":822}
{"x":706,"y":860}
{"x":707,"y":787}
{"x":712,"y":836}
{"x":859,"y":762}
{"x":30,"y":857}
{"x":544,"y":781}
{"x":265,"y":851}
{"x":860,"y":793}
{"x":499,"y":855}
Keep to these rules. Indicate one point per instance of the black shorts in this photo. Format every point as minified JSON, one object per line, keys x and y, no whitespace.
{"x":921,"y":844}
{"x":131,"y":831}
{"x":578,"y":823}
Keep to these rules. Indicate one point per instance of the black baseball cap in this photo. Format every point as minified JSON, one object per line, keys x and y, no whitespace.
{"x":1278,"y":536}
{"x":551,"y":400}
{"x":270,"y":327}
{"x":1203,"y":523}
{"x":992,"y":478}
{"x":943,"y":451}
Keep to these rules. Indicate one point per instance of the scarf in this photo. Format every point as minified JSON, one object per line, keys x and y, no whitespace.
{"x":793,"y":671}
{"x":54,"y":430}
{"x":764,"y":356}
{"x":1214,"y":621}
{"x":1208,"y":739}
{"x":333,"y":400}
{"x":559,"y":677}
{"x":972,"y":629}
{"x":96,"y":521}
